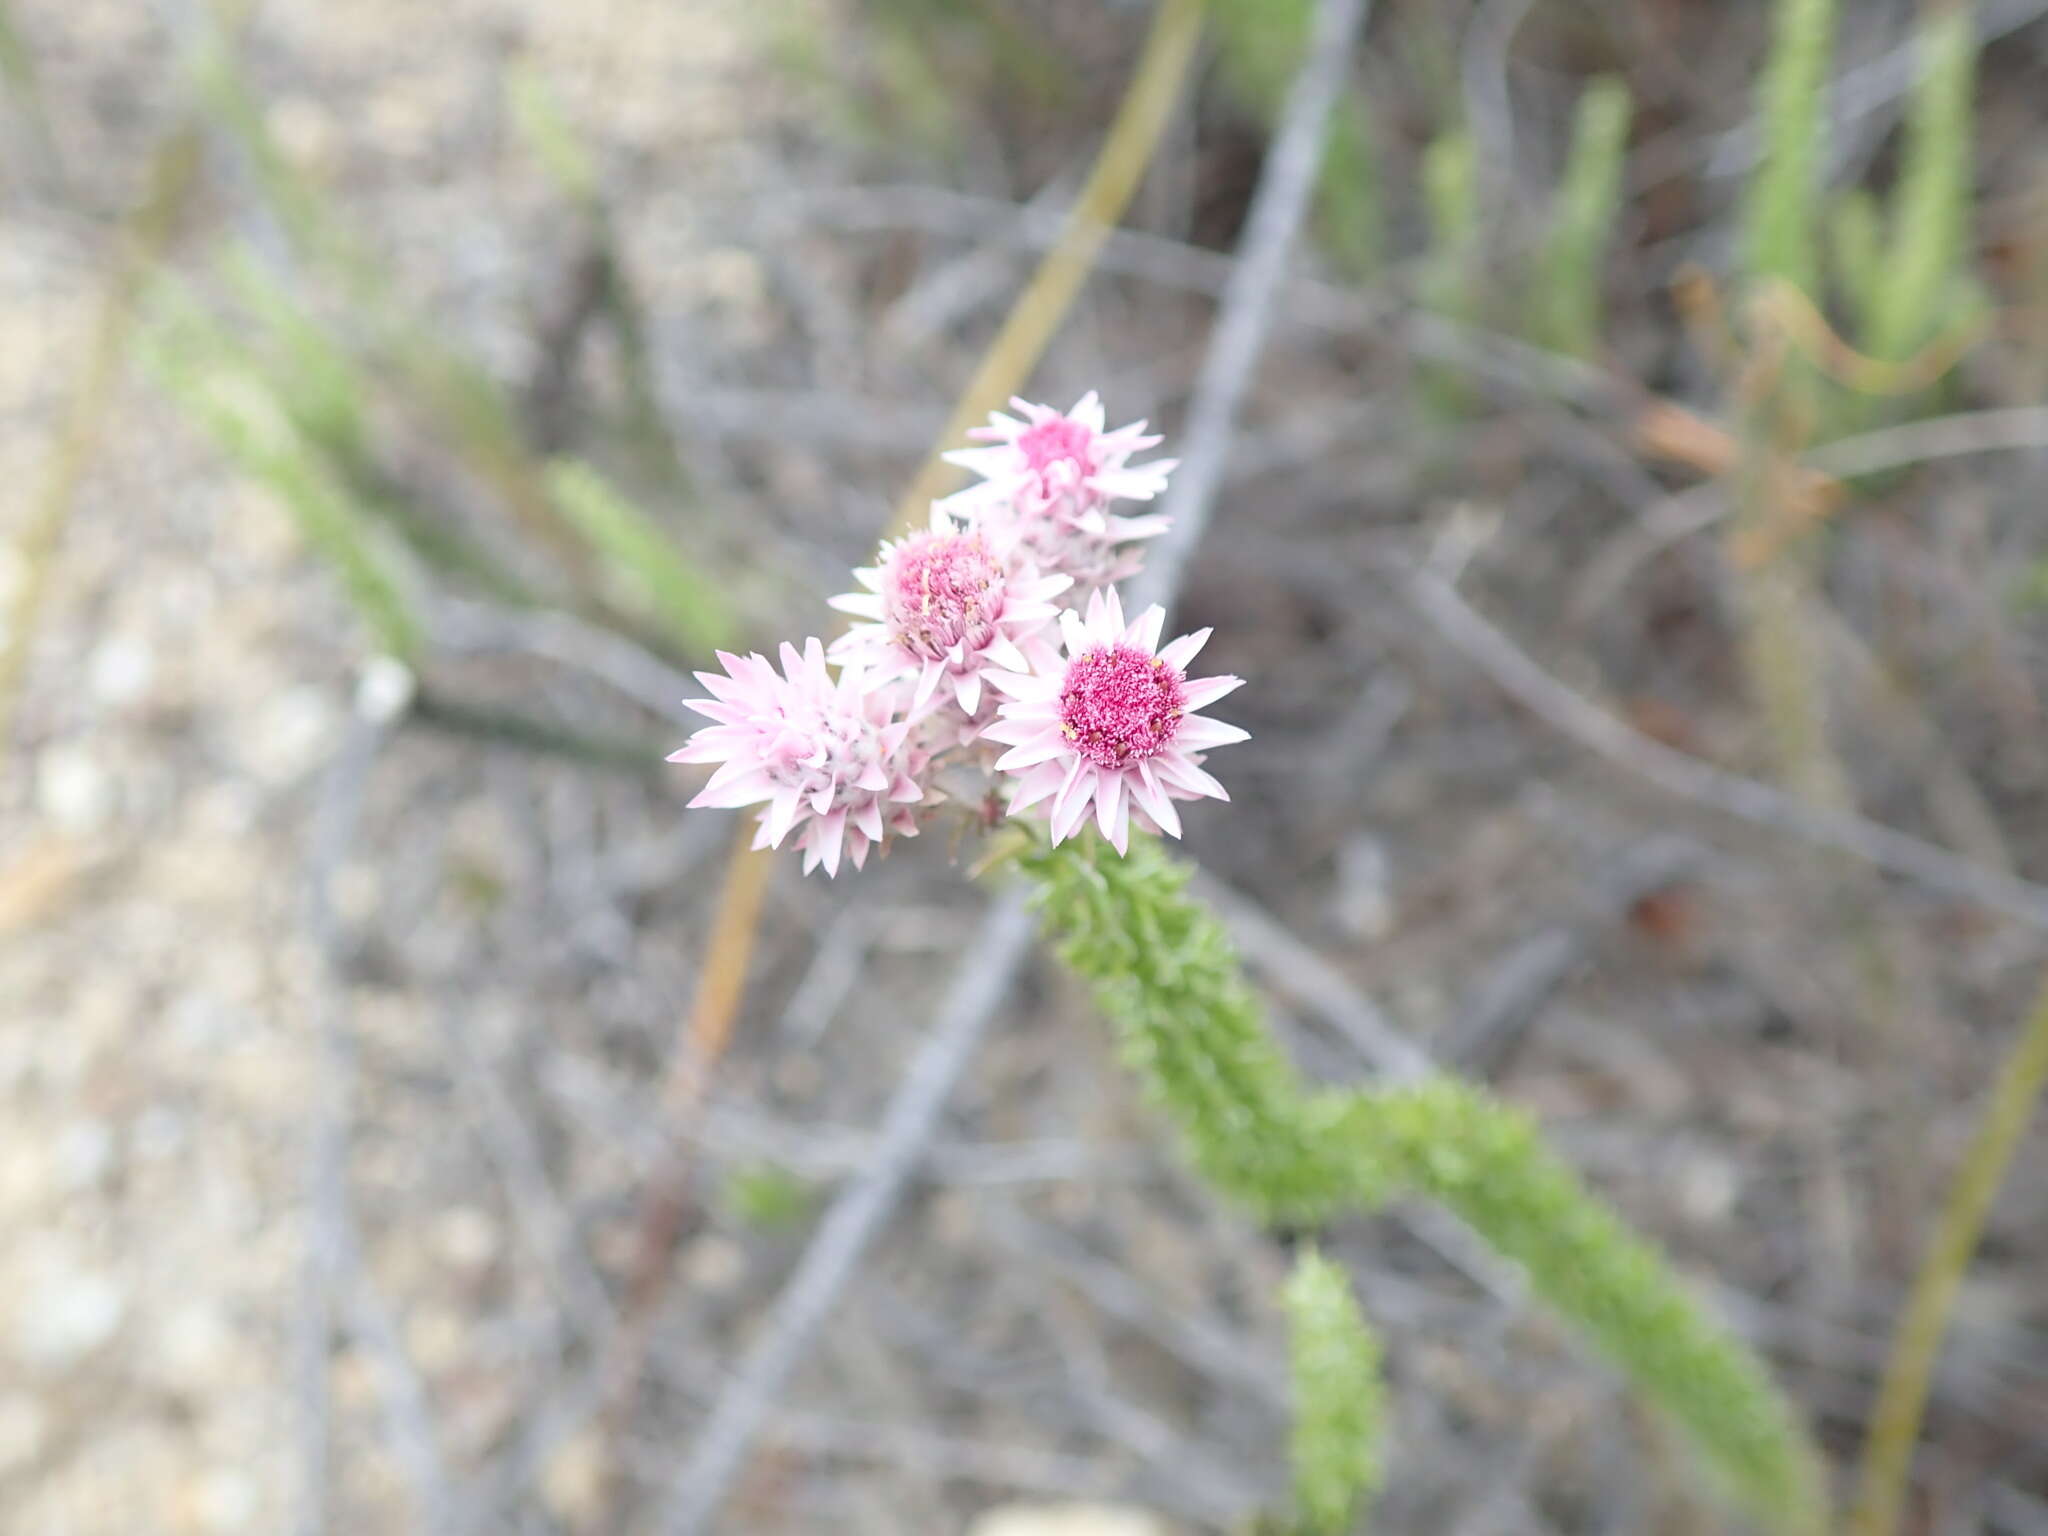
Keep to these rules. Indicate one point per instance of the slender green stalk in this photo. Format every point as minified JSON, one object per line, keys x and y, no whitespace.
{"x":1449,"y":280}
{"x":1566,"y":303}
{"x":1902,"y":1398}
{"x":1778,"y":220}
{"x":1927,"y":254}
{"x":1163,"y":971}
{"x":683,"y":599}
{"x":1339,"y":1399}
{"x":204,"y":371}
{"x":1856,"y":240}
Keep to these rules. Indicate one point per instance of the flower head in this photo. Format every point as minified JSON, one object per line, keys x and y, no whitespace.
{"x":946,"y":606}
{"x":831,"y":759}
{"x":1048,"y":481}
{"x":1114,"y":725}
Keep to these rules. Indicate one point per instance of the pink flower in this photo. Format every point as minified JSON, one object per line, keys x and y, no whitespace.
{"x":946,"y":606}
{"x":1049,"y":480}
{"x":831,"y":759}
{"x":1114,"y":725}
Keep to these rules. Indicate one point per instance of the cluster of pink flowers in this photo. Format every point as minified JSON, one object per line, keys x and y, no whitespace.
{"x":991,"y":654}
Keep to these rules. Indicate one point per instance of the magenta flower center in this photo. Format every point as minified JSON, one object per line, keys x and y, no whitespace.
{"x":943,"y":589}
{"x":1053,"y":440}
{"x":1120,"y":705}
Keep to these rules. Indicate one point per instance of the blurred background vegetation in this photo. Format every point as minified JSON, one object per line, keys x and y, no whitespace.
{"x":397,"y":404}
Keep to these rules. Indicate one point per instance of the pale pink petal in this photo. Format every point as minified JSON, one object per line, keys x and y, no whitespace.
{"x":1037,"y":784}
{"x":1176,"y":772}
{"x":832,"y":831}
{"x":1153,"y":800}
{"x":1041,"y":750}
{"x":1204,"y":691}
{"x":1071,"y":809}
{"x":1110,"y":813}
{"x":1198,"y":732}
{"x":1178,"y":653}
{"x":781,"y":816}
{"x":1023,"y":686}
{"x":1074,"y":631}
{"x":1144,"y":630}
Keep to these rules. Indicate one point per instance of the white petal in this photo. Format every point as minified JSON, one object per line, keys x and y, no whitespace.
{"x":967,"y":690}
{"x":1016,"y":730}
{"x":1112,"y":626}
{"x":1154,"y":801}
{"x":1178,"y":653}
{"x":868,"y":820}
{"x":866,"y":604}
{"x":1005,"y":656}
{"x":781,"y":816}
{"x":1204,"y":691}
{"x":1042,"y":749}
{"x":1025,"y":687}
{"x":1144,"y":630}
{"x":1110,"y":816}
{"x":1198,"y":732}
{"x":1076,"y":633}
{"x":831,"y":831}
{"x":1179,"y":773}
{"x":1071,"y":809}
{"x":1036,"y":784}
{"x":1045,"y":587}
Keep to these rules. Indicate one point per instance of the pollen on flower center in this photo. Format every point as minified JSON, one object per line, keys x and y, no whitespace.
{"x":1053,"y":440}
{"x":942,"y":589}
{"x":1120,"y":705}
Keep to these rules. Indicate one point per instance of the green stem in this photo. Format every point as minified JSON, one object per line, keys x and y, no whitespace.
{"x":1901,"y":1400}
{"x":1164,"y":972}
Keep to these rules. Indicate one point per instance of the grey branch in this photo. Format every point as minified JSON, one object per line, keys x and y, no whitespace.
{"x":1702,"y":783}
{"x":1278,"y":206}
{"x":1250,"y":297}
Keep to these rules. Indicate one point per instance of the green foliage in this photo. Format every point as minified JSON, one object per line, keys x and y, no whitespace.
{"x":548,"y":134}
{"x":767,"y":1198}
{"x":1488,"y":1162}
{"x":1162,"y":969}
{"x":652,"y":576}
{"x":1565,"y":307}
{"x":1451,"y":267}
{"x":1339,"y":1402}
{"x":1260,"y":44}
{"x":914,"y":71}
{"x":201,"y":367}
{"x":1778,"y":221}
{"x":1926,"y":258}
{"x":1856,"y":242}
